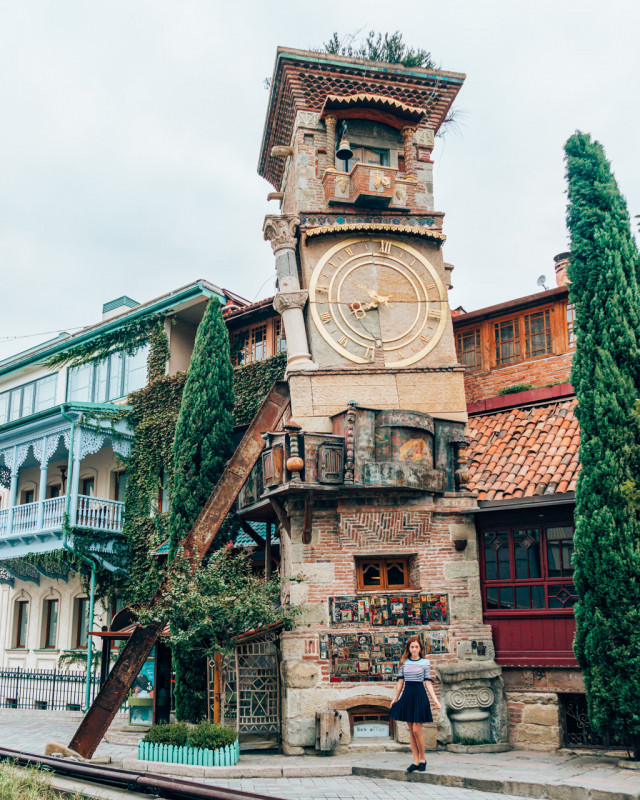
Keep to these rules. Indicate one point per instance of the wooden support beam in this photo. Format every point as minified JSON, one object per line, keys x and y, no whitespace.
{"x":267,"y":553}
{"x":279,"y":511}
{"x":250,"y":532}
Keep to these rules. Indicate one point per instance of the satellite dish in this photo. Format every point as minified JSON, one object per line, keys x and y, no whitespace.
{"x":542,"y":282}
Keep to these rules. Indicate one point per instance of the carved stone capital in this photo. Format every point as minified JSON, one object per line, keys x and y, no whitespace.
{"x":283,"y":301}
{"x":280,"y":230}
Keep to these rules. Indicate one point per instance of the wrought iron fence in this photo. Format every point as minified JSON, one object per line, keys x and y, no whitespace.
{"x":45,"y":689}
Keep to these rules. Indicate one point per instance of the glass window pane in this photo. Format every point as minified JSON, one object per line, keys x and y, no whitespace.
{"x":46,"y":392}
{"x":100,"y":381}
{"x":4,"y":407}
{"x":506,"y":597}
{"x":23,"y":617}
{"x":527,"y":553}
{"x":15,"y":402}
{"x":371,"y":576}
{"x":522,"y":597}
{"x":554,"y":563}
{"x":492,"y":597}
{"x":52,"y":620}
{"x":537,"y":328}
{"x":537,"y":597}
{"x":135,"y":374}
{"x":395,"y":574}
{"x":259,"y":343}
{"x":79,"y":383}
{"x":82,"y":622}
{"x":506,"y":336}
{"x":115,"y":376}
{"x":28,"y":394}
{"x":562,"y":595}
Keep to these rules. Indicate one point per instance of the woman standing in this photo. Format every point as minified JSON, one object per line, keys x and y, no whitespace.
{"x":413,"y":706}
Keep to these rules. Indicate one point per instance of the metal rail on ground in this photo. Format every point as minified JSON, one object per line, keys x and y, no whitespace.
{"x":148,"y":783}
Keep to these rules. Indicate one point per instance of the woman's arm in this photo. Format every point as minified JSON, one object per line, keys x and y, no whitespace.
{"x":399,"y":686}
{"x":428,"y":685}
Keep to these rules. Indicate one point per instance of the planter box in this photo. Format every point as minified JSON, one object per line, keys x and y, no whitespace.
{"x":197,"y":756}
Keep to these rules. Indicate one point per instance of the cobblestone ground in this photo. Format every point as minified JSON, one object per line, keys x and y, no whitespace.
{"x":352,"y":788}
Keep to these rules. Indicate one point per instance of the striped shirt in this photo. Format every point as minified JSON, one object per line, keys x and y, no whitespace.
{"x":418,"y":670}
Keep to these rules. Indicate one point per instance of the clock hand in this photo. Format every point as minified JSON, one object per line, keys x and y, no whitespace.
{"x":379,"y":298}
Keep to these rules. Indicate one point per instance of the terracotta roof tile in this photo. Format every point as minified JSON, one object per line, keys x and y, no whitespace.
{"x":524,"y":451}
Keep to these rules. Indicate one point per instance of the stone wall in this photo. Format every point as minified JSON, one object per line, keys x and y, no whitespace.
{"x":534,"y":720}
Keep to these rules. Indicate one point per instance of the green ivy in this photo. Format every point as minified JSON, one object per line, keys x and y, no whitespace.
{"x":252,"y":383}
{"x":127,"y":338}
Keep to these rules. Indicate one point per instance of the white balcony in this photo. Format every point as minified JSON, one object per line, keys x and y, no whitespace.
{"x":94,"y":513}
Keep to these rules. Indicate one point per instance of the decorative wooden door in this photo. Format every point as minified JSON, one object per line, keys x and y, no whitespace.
{"x":251,"y":679}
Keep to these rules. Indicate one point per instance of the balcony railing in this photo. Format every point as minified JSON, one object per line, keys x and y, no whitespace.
{"x":97,"y":513}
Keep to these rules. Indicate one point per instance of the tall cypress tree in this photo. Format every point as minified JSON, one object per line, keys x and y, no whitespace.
{"x":603,"y":270}
{"x":202,"y":447}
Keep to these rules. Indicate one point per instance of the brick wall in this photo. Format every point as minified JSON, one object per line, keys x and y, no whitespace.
{"x":553,"y":369}
{"x":392,"y":526}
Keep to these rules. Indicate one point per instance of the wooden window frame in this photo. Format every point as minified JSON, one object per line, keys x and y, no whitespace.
{"x":544,"y":581}
{"x":570,"y":320}
{"x":477,"y":332}
{"x":47,"y":625}
{"x":274,"y":341}
{"x":80,"y":604}
{"x":488,"y":359}
{"x":20,"y":610}
{"x":384,"y":562}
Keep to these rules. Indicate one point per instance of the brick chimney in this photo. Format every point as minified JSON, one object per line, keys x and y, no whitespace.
{"x":561,"y":264}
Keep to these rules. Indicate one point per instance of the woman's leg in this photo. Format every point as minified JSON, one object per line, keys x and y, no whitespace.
{"x":414,"y":745}
{"x":419,"y":740}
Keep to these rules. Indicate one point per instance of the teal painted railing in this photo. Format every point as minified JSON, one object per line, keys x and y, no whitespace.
{"x":197,"y":756}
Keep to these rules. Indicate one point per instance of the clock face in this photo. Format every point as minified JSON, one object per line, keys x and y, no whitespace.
{"x":375,"y":299}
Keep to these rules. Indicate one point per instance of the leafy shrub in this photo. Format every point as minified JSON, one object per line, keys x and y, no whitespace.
{"x":210,"y":736}
{"x":516,"y":387}
{"x":175,"y":733}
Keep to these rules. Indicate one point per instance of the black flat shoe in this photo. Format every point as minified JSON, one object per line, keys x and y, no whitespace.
{"x":413,"y":768}
{"x":422,"y":766}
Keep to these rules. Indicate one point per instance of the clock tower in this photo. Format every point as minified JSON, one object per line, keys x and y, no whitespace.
{"x":367,"y":480}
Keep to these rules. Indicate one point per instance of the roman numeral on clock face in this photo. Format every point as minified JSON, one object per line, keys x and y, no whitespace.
{"x":342,"y":340}
{"x":385,"y":247}
{"x":325,"y":316}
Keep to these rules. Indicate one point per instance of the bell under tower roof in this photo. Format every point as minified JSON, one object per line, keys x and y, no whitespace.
{"x":304,"y":80}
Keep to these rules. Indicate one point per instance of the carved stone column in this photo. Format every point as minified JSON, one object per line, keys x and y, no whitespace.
{"x":280,"y":230}
{"x":331,"y":123}
{"x":474,"y":706}
{"x":409,"y":160}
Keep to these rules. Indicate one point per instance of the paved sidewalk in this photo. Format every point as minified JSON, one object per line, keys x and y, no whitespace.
{"x":554,"y":776}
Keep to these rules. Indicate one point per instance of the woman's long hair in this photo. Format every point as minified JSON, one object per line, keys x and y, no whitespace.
{"x":407,"y":654}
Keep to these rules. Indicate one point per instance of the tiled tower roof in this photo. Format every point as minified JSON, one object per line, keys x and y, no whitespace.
{"x":524,"y":452}
{"x":302,"y":80}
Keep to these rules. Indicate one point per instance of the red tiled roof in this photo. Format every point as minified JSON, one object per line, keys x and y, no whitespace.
{"x":524,"y":452}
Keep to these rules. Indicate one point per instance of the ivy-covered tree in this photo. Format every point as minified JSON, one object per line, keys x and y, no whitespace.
{"x":387,"y":47}
{"x":203,"y":438}
{"x":202,"y":447}
{"x":603,"y":270}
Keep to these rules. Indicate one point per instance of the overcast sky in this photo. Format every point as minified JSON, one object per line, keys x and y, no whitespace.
{"x":131,"y":129}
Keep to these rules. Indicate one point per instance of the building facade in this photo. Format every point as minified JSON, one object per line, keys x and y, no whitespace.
{"x":61,"y":457}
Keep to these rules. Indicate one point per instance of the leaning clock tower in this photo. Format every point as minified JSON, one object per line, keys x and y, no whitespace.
{"x":367,"y":479}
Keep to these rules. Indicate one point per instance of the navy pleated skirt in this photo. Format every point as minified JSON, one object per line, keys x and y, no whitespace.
{"x":413,"y":704}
